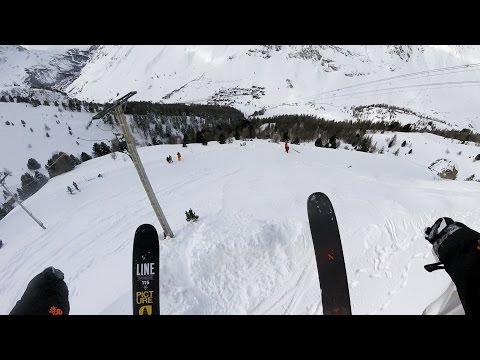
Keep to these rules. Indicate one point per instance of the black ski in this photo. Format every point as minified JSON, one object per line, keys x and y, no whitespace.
{"x":145,"y":276}
{"x":329,"y":255}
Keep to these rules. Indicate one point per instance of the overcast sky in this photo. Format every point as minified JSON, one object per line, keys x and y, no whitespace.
{"x":55,"y":47}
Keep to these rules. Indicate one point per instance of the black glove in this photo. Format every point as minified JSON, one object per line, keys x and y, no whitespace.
{"x":449,"y":238}
{"x":457,"y":247}
{"x":46,"y":294}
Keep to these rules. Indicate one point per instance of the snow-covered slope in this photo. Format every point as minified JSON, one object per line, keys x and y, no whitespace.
{"x":292,"y":79}
{"x":250,"y":252}
{"x":427,"y":148}
{"x":20,"y":67}
{"x":18,"y":143}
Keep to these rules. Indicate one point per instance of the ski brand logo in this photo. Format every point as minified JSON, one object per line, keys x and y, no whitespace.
{"x":145,"y":310}
{"x":144,"y":297}
{"x":55,"y":311}
{"x":146,"y":269}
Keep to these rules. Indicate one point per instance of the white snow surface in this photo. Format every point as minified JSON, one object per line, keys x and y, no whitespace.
{"x":250,"y":251}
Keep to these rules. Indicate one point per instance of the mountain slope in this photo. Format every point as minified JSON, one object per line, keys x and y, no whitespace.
{"x":67,"y":132}
{"x":250,"y":252}
{"x":39,"y":68}
{"x":278,"y":79}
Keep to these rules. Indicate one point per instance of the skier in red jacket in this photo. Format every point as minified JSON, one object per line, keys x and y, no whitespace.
{"x":286,"y":147}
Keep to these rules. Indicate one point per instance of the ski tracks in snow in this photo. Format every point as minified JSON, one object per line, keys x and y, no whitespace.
{"x":397,"y":246}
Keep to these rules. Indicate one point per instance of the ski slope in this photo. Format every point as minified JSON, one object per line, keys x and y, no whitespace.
{"x":251,"y":251}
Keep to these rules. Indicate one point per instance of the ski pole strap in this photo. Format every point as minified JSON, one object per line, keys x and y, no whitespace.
{"x":434,"y":266}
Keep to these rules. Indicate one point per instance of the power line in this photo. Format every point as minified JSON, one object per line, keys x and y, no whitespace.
{"x":402,"y":77}
{"x":404,"y":87}
{"x":78,"y":137}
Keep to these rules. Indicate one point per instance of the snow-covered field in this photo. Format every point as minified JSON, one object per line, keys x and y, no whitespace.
{"x":250,"y":252}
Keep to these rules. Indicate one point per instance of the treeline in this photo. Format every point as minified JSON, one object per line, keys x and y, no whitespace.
{"x":463,"y":135}
{"x":207,"y":112}
{"x":182,"y":123}
{"x":299,"y":128}
{"x":70,"y":104}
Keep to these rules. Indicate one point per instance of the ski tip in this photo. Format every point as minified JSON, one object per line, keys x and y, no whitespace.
{"x":314,"y":196}
{"x":146,"y":230}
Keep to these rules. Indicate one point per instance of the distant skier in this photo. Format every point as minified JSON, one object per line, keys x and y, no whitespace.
{"x":179,"y":156}
{"x":46,"y":294}
{"x":1,"y":244}
{"x":70,"y":190}
{"x":100,"y":175}
{"x":169,"y":159}
{"x":286,"y":147}
{"x":76,"y":186}
{"x":457,"y":249}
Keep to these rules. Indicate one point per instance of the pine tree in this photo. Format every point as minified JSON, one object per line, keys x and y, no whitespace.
{"x":333,"y":142}
{"x":33,"y":164}
{"x":59,"y":163}
{"x":101,"y":149}
{"x":105,"y":148}
{"x":85,"y":157}
{"x":29,"y":186}
{"x":393,"y":141}
{"x":75,"y":159}
{"x":199,"y":137}
{"x":221,"y":138}
{"x":41,"y":179}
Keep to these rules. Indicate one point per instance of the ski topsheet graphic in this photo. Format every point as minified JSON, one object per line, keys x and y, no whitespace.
{"x":145,"y":270}
{"x":329,"y":255}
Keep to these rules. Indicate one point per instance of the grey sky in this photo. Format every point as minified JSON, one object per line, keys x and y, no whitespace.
{"x":55,"y":47}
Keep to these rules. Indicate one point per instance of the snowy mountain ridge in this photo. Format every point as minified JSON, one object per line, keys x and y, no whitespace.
{"x":24,"y":68}
{"x":324,"y":80}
